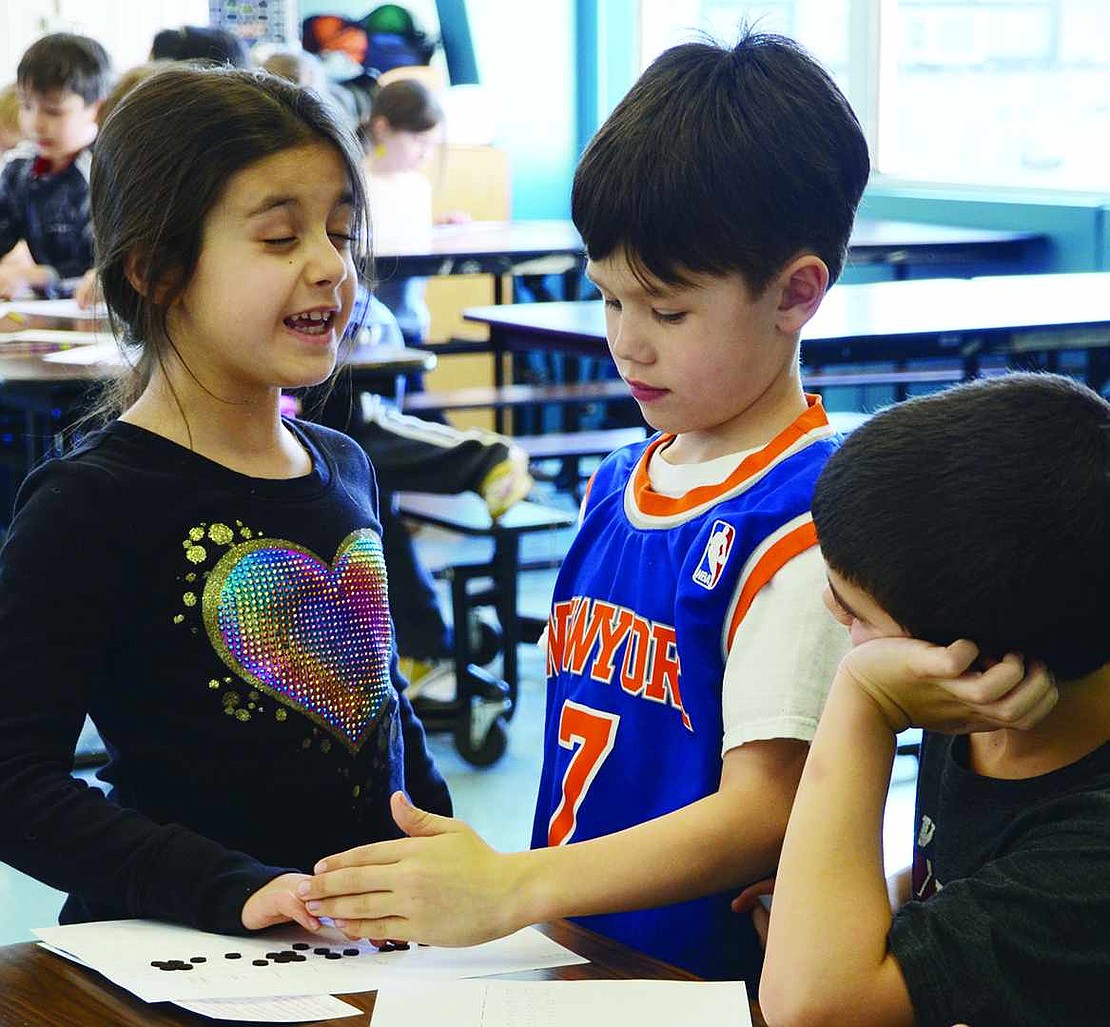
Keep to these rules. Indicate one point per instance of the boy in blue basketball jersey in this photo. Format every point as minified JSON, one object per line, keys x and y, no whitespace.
{"x":688,"y":653}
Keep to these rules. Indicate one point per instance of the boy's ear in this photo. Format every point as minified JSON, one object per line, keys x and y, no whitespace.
{"x":803,"y":283}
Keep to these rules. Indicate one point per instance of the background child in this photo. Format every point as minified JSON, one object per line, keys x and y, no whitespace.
{"x":688,"y":653}
{"x":967,"y":537}
{"x":400,"y":136}
{"x":200,"y":44}
{"x":61,"y":80}
{"x":202,"y":577}
{"x":11,"y":133}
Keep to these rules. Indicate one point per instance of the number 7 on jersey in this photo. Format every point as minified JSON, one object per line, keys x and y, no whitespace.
{"x":593,"y":733}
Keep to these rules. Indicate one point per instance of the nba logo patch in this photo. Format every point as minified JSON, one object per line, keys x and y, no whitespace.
{"x":713,"y":560}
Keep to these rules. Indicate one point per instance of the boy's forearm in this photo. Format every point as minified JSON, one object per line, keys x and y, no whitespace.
{"x":723,"y":841}
{"x":827,"y":948}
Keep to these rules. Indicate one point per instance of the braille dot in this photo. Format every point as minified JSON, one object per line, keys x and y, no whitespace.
{"x":350,"y":952}
{"x":197,"y":959}
{"x":260,"y":962}
{"x":233,"y":955}
{"x":301,"y":946}
{"x":322,"y":951}
{"x":184,"y":966}
{"x":333,"y":955}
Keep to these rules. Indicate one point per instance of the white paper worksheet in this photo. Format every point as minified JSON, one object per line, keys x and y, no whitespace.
{"x":160,"y":962}
{"x":558,"y":1003}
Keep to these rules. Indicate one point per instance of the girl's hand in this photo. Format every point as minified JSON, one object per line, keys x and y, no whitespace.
{"x":442,"y":885}
{"x":917,"y":684}
{"x":277,"y":902}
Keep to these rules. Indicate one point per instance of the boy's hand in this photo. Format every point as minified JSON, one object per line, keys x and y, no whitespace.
{"x":14,"y":279}
{"x":442,"y":885}
{"x":917,"y":684}
{"x":748,"y":901}
{"x":277,"y":902}
{"x":87,"y":293}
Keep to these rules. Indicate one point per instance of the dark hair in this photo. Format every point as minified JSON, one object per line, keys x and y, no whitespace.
{"x":722,"y":161}
{"x":407,"y":105}
{"x":162,"y":161}
{"x":126,"y":82}
{"x":200,"y":45}
{"x":981,"y":512}
{"x":62,"y":60}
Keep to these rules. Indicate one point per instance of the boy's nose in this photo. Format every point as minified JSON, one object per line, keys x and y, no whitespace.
{"x":627,"y":340}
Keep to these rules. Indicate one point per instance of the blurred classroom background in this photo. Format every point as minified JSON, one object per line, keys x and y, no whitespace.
{"x":981,"y":114}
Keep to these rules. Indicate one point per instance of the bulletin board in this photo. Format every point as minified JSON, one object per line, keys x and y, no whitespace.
{"x":257,"y":21}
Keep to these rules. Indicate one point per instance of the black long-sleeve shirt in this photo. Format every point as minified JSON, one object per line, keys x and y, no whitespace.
{"x":230,"y":638}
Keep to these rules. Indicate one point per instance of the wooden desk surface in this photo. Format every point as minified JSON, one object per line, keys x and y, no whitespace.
{"x":40,"y":989}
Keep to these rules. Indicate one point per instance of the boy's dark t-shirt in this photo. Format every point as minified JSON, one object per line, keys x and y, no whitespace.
{"x":231,"y":639}
{"x":49,"y":210}
{"x":1011,"y":880}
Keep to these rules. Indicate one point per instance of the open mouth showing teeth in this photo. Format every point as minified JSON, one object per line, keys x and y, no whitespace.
{"x":311,"y":322}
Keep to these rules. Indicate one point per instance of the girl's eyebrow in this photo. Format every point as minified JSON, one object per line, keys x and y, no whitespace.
{"x":345,"y":199}
{"x":271,"y":203}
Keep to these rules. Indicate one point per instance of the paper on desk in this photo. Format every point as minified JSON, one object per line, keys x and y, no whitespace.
{"x":124,"y":950}
{"x":54,"y":337}
{"x":558,"y":1003}
{"x":54,"y":308}
{"x":290,"y":1009}
{"x":103,"y":351}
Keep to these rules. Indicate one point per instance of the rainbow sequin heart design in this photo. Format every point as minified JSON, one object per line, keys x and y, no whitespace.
{"x":315,"y":637}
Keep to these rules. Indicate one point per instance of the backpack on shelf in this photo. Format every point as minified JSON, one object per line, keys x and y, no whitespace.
{"x":388,"y":37}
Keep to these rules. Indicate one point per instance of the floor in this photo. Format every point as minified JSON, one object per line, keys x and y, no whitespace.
{"x":496,"y":801}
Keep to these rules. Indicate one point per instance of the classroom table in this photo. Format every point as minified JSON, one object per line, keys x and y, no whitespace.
{"x":904,"y":245}
{"x":50,"y":395}
{"x":40,"y":989}
{"x":554,"y":246}
{"x":497,"y":248}
{"x":961,"y":319}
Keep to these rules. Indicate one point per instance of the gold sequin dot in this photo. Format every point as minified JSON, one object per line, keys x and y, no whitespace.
{"x":356,"y":791}
{"x":252,"y":694}
{"x":196,"y":534}
{"x":325,"y":745}
{"x":306,"y":744}
{"x":231,"y":699}
{"x":245,"y":532}
{"x":221,"y":534}
{"x":178,"y":618}
{"x":250,"y":705}
{"x":189,"y":599}
{"x":214,"y":683}
{"x":280,"y":714}
{"x":195,"y":554}
{"x":191,"y":576}
{"x":241,"y":714}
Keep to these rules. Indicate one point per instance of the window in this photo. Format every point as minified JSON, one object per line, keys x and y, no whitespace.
{"x":124,"y":28}
{"x":1010,"y":92}
{"x":989,"y":92}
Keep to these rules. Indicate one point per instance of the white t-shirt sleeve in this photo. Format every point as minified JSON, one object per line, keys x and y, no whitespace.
{"x":783,"y":658}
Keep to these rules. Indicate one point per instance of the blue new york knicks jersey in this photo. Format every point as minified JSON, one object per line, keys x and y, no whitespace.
{"x":643,"y":614}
